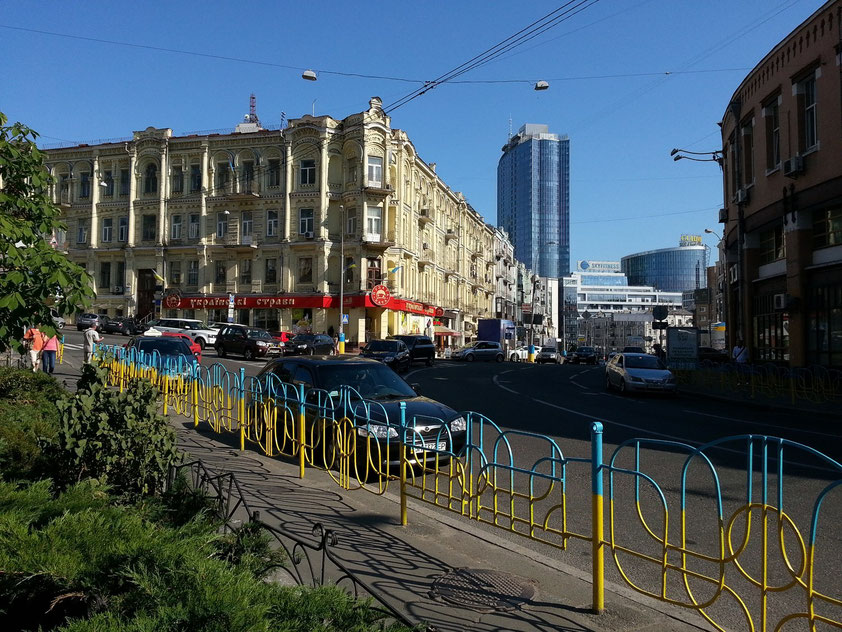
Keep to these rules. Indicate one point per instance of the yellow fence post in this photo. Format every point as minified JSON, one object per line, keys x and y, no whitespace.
{"x":302,"y":435}
{"x":597,"y":544}
{"x":195,"y":398}
{"x":166,"y":391}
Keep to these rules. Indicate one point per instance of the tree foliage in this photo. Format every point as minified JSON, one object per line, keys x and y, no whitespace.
{"x":33,"y":275}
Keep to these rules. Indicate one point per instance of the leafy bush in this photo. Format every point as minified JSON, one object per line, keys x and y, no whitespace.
{"x":118,"y":438}
{"x":28,"y":418}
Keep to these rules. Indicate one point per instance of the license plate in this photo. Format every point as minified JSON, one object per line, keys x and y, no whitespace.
{"x":441,"y":445}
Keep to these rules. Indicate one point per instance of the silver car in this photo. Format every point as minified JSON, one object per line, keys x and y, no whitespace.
{"x":638,"y":372}
{"x":480,"y":350}
{"x":548,"y":354}
{"x":84,"y":321}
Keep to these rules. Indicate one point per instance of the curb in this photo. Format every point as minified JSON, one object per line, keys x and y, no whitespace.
{"x":759,"y":405}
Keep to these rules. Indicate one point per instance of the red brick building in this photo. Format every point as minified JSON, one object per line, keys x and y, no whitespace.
{"x":782,"y":166}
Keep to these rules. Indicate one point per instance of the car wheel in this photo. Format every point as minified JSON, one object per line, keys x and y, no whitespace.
{"x":608,"y":385}
{"x":201,"y":343}
{"x":429,"y":362}
{"x":469,"y":357}
{"x":248,"y":354}
{"x":499,"y":357}
{"x":623,"y":388}
{"x":513,"y":358}
{"x":311,"y":351}
{"x":220,"y":351}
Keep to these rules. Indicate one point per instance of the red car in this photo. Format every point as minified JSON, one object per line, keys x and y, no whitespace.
{"x":194,"y":346}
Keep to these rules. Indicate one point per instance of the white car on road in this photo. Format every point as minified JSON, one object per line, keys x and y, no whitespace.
{"x":521,"y":354}
{"x":196,"y":329}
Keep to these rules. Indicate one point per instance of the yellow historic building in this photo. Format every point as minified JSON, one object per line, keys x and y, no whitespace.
{"x":270,"y":222}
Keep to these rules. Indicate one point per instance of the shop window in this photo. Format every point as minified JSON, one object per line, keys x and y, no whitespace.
{"x":771,"y":331}
{"x":824,"y":332}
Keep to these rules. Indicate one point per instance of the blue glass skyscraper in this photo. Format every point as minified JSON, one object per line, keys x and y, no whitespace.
{"x":533,"y":198}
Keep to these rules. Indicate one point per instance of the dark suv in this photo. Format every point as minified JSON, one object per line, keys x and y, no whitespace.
{"x":251,"y":342}
{"x":309,"y":344}
{"x":420,"y":347}
{"x":584,"y":355}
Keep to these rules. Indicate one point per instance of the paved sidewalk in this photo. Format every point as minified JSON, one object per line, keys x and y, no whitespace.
{"x":441,"y":569}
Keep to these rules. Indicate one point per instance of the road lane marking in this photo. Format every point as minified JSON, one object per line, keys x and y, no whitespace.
{"x":505,"y":388}
{"x":763,"y":423}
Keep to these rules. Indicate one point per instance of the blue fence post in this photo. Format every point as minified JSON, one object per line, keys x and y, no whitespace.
{"x":598,"y":552}
{"x":404,"y":520}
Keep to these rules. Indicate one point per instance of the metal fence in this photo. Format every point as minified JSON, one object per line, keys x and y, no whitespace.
{"x":714,"y":535}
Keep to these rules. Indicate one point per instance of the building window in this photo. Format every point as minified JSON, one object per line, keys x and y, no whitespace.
{"x":121,"y":274}
{"x":305,"y":221}
{"x":375,"y":171}
{"x":82,"y":232}
{"x":193,"y":272}
{"x":747,"y":131}
{"x":351,"y":222}
{"x":827,"y":227}
{"x":247,"y":176}
{"x":305,"y":270}
{"x":352,"y":172}
{"x":245,"y":271}
{"x":150,"y":179}
{"x":373,"y":223}
{"x":108,"y":179}
{"x":274,"y":172}
{"x":247,"y":223}
{"x":175,"y":272}
{"x":148,"y":228}
{"x":349,"y":269}
{"x":85,"y":185}
{"x":223,"y":176}
{"x":177,"y":179}
{"x":307,"y":172}
{"x":805,"y":91}
{"x":107,"y":229}
{"x":271,"y":223}
{"x":193,"y":229}
{"x":220,"y":272}
{"x":123,"y":229}
{"x":124,"y":181}
{"x":195,"y":178}
{"x":105,"y":274}
{"x":271,"y":275}
{"x":772,"y":115}
{"x":221,"y":224}
{"x":772,"y":245}
{"x":175,"y":230}
{"x":373,"y":274}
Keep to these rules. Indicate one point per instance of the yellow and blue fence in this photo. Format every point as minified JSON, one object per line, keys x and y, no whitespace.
{"x":732,"y":557}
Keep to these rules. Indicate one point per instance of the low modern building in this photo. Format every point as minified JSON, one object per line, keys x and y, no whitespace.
{"x":670,"y":269}
{"x":781,"y":142}
{"x":610,"y":291}
{"x":267,"y":227}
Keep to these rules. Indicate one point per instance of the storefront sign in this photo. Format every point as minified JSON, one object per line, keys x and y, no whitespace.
{"x":380,"y":295}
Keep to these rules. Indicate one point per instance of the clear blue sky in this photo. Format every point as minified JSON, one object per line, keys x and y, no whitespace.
{"x":606,"y":68}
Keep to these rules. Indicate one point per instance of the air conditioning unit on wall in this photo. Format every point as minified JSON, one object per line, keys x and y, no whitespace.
{"x":723,"y":215}
{"x":309,"y":234}
{"x":742,"y":196}
{"x":781,"y":301}
{"x":118,"y":289}
{"x":793,"y":166}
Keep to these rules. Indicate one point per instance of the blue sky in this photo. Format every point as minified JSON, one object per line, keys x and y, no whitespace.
{"x":606,"y":66}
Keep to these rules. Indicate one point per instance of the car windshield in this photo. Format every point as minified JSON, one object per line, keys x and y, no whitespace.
{"x":644,"y":362}
{"x":470,"y":345}
{"x":585,"y":349}
{"x":382,"y":345}
{"x":192,"y":326}
{"x":548,"y":349}
{"x":304,"y":338}
{"x":259,"y":334}
{"x":164,"y":346}
{"x":372,"y":381}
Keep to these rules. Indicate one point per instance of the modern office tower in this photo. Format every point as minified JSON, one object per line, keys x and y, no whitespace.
{"x":533,"y":199}
{"x":670,"y":269}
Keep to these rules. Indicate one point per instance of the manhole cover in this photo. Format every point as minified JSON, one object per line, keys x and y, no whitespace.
{"x":483,"y":590}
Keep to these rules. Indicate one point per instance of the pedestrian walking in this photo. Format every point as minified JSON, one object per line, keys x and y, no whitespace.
{"x":34,"y":341}
{"x":48,"y":355}
{"x":91,"y":338}
{"x":740,"y":356}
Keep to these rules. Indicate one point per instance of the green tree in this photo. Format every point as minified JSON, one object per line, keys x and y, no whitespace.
{"x":33,"y":275}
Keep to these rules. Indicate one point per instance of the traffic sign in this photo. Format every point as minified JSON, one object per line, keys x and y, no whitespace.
{"x":345,"y":319}
{"x":659,"y":312}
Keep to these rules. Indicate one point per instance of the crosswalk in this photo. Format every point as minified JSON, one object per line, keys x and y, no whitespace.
{"x":74,"y":347}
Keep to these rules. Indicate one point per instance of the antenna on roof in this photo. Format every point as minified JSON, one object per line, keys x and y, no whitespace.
{"x":283,"y":120}
{"x":510,"y":127}
{"x":252,"y":115}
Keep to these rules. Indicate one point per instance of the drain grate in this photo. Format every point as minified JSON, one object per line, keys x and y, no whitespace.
{"x":483,"y":590}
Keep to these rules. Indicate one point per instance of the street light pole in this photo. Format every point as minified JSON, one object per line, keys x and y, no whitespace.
{"x":341,"y":348}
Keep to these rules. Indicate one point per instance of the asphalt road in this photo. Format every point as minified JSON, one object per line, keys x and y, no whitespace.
{"x":542,"y":418}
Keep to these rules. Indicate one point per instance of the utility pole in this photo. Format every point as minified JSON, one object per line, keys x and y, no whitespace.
{"x":341,"y":279}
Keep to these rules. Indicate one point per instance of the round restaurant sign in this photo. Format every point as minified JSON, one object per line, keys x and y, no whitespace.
{"x":380,"y":295}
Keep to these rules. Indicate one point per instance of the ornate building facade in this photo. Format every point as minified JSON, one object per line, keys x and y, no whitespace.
{"x":266,"y":224}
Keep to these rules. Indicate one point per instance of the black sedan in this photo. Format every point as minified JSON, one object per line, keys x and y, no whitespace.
{"x":583,"y":355}
{"x":164,"y":352}
{"x":379,"y":403}
{"x":310,"y":344}
{"x":120,"y":325}
{"x":392,"y":353}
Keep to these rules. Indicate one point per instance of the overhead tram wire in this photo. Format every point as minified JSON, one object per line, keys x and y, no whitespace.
{"x":536,"y":28}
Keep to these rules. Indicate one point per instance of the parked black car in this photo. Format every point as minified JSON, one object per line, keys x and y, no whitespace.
{"x":121,"y":325}
{"x":250,"y":342}
{"x":375,"y":382}
{"x":421,"y":348}
{"x":709,"y":354}
{"x":392,"y":353}
{"x":310,"y":344}
{"x":583,"y":355}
